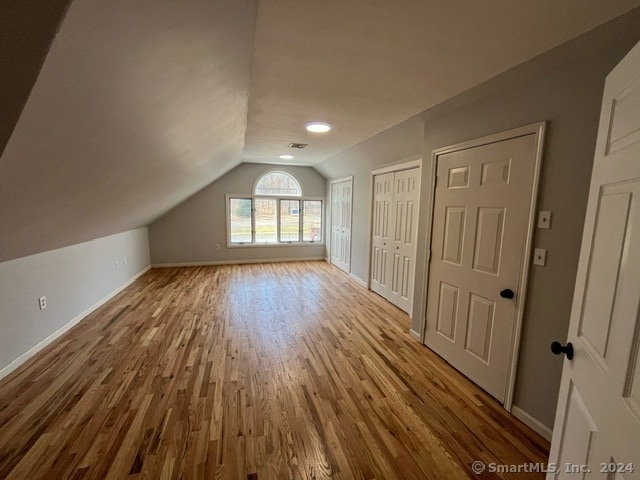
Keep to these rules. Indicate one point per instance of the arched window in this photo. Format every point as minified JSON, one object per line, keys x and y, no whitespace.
{"x":275,"y":213}
{"x":278,"y":183}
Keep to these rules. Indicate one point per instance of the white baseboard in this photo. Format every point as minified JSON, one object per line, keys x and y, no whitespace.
{"x":415,"y":335}
{"x":531,"y":422}
{"x":358,"y":280}
{"x":235,"y":262}
{"x":68,"y":326}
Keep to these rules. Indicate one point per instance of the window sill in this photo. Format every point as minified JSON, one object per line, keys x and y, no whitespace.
{"x":270,"y":245}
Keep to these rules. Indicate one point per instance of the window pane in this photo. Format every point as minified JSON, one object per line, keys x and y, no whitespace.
{"x":312,"y":221}
{"x":266,"y":224}
{"x":289,"y":220}
{"x":278,"y":183}
{"x":240,"y":220}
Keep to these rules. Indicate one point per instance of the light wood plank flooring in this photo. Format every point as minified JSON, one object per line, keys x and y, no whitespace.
{"x":271,"y":371}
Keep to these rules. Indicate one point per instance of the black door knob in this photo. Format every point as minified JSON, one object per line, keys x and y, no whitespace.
{"x":507,"y":293}
{"x":557,"y":349}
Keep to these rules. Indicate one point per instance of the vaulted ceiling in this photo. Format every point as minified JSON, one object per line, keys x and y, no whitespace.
{"x":114,"y":112}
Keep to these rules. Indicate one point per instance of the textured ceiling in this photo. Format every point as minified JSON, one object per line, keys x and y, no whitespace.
{"x":138,"y":105}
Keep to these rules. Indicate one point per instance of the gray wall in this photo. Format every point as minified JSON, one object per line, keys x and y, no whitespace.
{"x":74,"y":279}
{"x":564,"y":87}
{"x":392,"y":145}
{"x":189,"y":232}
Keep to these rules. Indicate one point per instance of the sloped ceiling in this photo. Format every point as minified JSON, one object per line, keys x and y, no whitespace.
{"x":138,"y":105}
{"x":27,"y":28}
{"x":366,"y":66}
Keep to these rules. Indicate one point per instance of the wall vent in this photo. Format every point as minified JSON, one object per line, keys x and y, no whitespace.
{"x":298,"y":145}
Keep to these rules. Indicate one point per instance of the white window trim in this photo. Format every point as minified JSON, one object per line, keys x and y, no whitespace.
{"x":252,"y":197}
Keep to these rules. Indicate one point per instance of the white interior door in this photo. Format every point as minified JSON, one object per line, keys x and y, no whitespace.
{"x":341,"y":201}
{"x":381,"y":241}
{"x":598,"y":416}
{"x":480,"y":229}
{"x":395,"y":214}
{"x":406,"y":195}
{"x":336,"y":221}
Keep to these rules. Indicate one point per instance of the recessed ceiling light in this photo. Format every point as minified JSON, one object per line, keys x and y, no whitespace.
{"x":286,"y":157}
{"x":318,"y":127}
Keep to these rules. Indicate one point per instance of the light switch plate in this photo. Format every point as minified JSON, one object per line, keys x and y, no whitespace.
{"x":540,"y":257}
{"x":544,"y":220}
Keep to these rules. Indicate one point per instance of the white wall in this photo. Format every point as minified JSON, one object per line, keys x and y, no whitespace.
{"x":188,"y":233}
{"x":74,"y":279}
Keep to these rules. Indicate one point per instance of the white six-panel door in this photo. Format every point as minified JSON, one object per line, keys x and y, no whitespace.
{"x":395,"y":214}
{"x":597,"y":426}
{"x":381,"y":241}
{"x":341,"y":201}
{"x":406,"y":195}
{"x":480,"y":228}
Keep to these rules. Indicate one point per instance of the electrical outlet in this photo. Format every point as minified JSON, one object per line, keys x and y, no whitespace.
{"x":217,"y":246}
{"x":117,"y":264}
{"x":42,"y":301}
{"x":124,"y":260}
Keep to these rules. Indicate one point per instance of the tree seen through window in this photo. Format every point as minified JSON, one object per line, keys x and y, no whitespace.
{"x":272,"y":216}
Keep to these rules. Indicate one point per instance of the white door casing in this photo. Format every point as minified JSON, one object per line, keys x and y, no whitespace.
{"x":394,"y":235}
{"x":598,"y":414}
{"x":480,"y":242}
{"x":341,"y":207}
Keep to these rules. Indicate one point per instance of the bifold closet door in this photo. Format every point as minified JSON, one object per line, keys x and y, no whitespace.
{"x":395,"y":214}
{"x":341,"y":200}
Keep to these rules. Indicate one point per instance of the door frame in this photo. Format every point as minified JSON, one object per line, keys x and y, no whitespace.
{"x":537,"y":129}
{"x":330,"y":208}
{"x":406,"y":163}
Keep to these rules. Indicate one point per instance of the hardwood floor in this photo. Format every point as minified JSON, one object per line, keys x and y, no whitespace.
{"x":270,"y":371}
